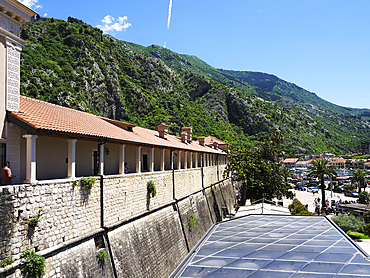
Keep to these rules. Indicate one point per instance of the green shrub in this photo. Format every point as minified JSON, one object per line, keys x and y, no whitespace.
{"x":357,"y":235}
{"x":7,"y":262}
{"x":300,"y":209}
{"x":34,"y":222}
{"x":152,"y":191}
{"x":348,"y":222}
{"x":34,"y":266}
{"x":87,"y":182}
{"x":304,"y":212}
{"x":192,"y":221}
{"x":102,"y":254}
{"x":366,"y":229}
{"x":364,"y":197}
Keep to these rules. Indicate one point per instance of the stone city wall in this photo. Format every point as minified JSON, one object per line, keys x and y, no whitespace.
{"x":66,"y":212}
{"x":126,"y":196}
{"x":145,"y":237}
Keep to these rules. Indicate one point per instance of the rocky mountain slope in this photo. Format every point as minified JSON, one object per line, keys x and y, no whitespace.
{"x":74,"y":65}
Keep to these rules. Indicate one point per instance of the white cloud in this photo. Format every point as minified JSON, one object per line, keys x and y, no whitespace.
{"x":164,"y":44}
{"x":31,"y":3}
{"x":169,"y":15}
{"x":111,"y":24}
{"x":45,"y":14}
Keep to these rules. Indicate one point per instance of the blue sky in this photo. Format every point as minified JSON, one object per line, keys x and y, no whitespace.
{"x":320,"y":45}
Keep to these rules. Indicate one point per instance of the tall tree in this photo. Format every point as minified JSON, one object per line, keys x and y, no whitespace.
{"x":258,"y":171}
{"x":320,"y":168}
{"x":358,"y":176}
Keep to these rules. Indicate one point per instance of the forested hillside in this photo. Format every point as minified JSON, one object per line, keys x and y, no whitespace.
{"x":74,"y":65}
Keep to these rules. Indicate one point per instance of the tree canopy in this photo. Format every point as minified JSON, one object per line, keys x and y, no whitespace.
{"x":258,"y":171}
{"x":358,"y":176}
{"x":320,"y":168}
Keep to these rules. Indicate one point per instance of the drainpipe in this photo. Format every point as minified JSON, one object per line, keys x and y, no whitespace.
{"x":201,"y":168}
{"x":218,"y":174}
{"x":173,"y":174}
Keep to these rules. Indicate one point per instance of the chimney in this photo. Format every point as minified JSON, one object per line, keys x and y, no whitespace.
{"x":188,"y":130}
{"x":184,"y":137}
{"x":215,"y":145}
{"x":162,"y":130}
{"x":202,"y":140}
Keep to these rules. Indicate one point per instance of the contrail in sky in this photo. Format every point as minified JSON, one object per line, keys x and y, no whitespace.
{"x":169,"y":15}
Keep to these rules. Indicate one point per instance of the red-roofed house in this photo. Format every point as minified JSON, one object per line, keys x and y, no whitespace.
{"x":290,"y":162}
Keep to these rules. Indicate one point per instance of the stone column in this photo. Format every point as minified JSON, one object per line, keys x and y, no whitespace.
{"x":185,"y":160}
{"x":31,"y":158}
{"x":101,"y":159}
{"x":196,"y":160}
{"x":191,"y":160}
{"x":72,"y":158}
{"x":163,"y":159}
{"x":151,"y":165}
{"x":138,"y":159}
{"x":122,"y":159}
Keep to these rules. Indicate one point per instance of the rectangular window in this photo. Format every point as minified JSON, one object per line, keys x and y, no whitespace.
{"x":2,"y":154}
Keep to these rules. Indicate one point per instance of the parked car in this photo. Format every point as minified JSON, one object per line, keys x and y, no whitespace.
{"x":312,"y":189}
{"x":350,"y":193}
{"x":300,"y":187}
{"x":339,"y":190}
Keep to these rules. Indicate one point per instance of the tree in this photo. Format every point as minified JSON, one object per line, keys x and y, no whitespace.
{"x":285,"y":173}
{"x":358,"y":176}
{"x":258,"y":171}
{"x":320,"y":168}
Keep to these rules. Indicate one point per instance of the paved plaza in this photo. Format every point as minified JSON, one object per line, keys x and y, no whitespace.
{"x":308,"y":198}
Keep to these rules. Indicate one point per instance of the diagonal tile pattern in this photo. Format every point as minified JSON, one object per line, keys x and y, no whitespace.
{"x":275,"y":246}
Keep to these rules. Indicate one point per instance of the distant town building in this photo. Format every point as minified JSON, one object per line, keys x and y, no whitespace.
{"x":290,"y":162}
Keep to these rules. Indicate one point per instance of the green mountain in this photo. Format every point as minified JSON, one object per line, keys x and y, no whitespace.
{"x":75,"y":65}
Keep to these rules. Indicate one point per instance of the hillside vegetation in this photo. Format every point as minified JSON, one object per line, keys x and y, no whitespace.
{"x":75,"y":65}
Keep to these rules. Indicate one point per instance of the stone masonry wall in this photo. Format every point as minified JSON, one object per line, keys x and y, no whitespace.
{"x":210,"y":175}
{"x":150,"y":247}
{"x":143,"y":243}
{"x":78,"y":261}
{"x":187,"y":182}
{"x":126,"y":197}
{"x":66,"y":212}
{"x":196,"y":217}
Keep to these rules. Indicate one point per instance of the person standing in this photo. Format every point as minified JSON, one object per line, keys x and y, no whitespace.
{"x":6,"y":174}
{"x":126,"y":168}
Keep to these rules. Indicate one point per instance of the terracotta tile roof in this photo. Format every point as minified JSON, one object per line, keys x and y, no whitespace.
{"x":339,"y":160}
{"x":290,"y":160}
{"x":46,"y":117}
{"x":209,"y":140}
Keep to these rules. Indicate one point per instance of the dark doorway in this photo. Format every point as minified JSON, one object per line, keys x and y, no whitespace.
{"x":145,"y":162}
{"x":95,"y":163}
